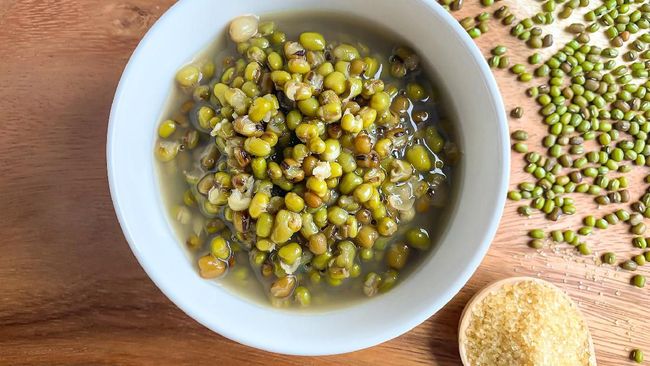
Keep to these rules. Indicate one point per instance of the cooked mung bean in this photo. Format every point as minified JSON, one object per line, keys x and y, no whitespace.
{"x":301,"y":158}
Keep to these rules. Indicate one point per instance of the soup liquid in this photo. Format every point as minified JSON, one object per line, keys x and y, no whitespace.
{"x":244,"y":279}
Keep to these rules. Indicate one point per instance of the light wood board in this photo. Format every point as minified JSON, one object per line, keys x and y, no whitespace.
{"x":72,"y":293}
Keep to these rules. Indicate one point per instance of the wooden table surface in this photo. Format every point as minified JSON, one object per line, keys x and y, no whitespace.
{"x":71,"y":292}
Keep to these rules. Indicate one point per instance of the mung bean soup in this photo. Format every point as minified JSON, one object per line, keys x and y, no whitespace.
{"x":306,"y":160}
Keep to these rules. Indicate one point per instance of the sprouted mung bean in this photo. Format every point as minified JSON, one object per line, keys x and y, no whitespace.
{"x":298,"y":160}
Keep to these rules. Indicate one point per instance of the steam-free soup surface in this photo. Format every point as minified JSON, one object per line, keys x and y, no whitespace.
{"x":420,"y":125}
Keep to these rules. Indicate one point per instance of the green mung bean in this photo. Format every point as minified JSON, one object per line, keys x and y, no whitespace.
{"x":525,"y":77}
{"x":638,"y":229}
{"x":535,"y":58}
{"x":612,"y":219}
{"x":499,"y":50}
{"x":557,"y":236}
{"x":639,"y":242}
{"x":602,"y":224}
{"x":638,"y":281}
{"x":585,"y":230}
{"x":622,"y":215}
{"x":524,"y":210}
{"x":609,"y":258}
{"x":494,"y":61}
{"x":483,"y":16}
{"x":509,"y":19}
{"x":629,"y":265}
{"x":520,"y":135}
{"x":483,"y":26}
{"x":474,"y":32}
{"x":504,"y":62}
{"x":502,"y":12}
{"x":584,"y":249}
{"x":518,"y":69}
{"x":467,"y":23}
{"x":639,"y":260}
{"x":576,"y":28}
{"x":520,"y":147}
{"x":535,"y":42}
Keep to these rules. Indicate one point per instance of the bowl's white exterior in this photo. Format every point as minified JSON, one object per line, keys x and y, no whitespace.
{"x":483,"y":178}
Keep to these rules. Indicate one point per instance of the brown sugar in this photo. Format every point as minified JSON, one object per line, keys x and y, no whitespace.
{"x":527,"y":323}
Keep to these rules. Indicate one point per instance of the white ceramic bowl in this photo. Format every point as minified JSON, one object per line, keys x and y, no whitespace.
{"x":482,"y":178}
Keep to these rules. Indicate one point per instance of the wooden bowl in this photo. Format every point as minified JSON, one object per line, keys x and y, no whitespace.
{"x":466,"y":316}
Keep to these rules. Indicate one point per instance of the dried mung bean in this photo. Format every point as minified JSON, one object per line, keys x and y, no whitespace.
{"x":520,"y":135}
{"x":514,"y":195}
{"x":494,"y":61}
{"x":535,"y":42}
{"x":520,"y":147}
{"x":504,"y":62}
{"x":585,"y":230}
{"x":638,"y":207}
{"x":565,"y":13}
{"x":609,"y":258}
{"x":622,"y":215}
{"x":638,"y":281}
{"x":484,"y":16}
{"x":518,"y":69}
{"x":536,"y":234}
{"x":576,"y":28}
{"x":569,"y":235}
{"x":554,"y":215}
{"x":639,"y":242}
{"x":635,"y":218}
{"x":524,"y":210}
{"x":612,"y":219}
{"x":584,"y":249}
{"x":601,"y":224}
{"x":483,"y":26}
{"x":547,"y":41}
{"x":467,"y":23}
{"x":625,"y":195}
{"x":535,"y":58}
{"x":536,"y":244}
{"x":638,"y":229}
{"x":474,"y":32}
{"x":525,"y":77}
{"x":630,"y":56}
{"x":502,"y":12}
{"x":509,"y":19}
{"x":629,"y":265}
{"x":499,"y":50}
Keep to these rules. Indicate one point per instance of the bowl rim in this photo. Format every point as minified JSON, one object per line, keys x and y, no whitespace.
{"x":416,"y":318}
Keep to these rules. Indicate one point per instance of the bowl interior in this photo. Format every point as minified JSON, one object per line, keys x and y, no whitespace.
{"x":481,"y":179}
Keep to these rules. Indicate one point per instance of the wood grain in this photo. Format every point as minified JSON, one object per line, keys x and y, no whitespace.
{"x":71,"y":292}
